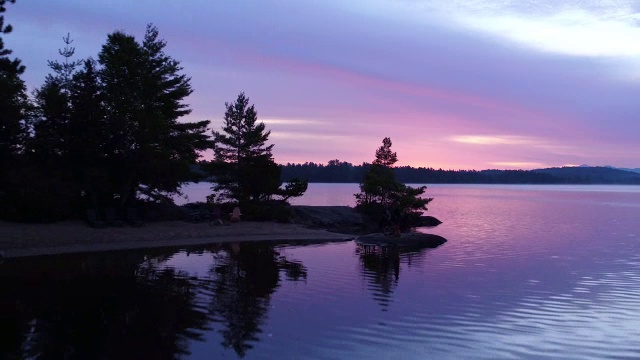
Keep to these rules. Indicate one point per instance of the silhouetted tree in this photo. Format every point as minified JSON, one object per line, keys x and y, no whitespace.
{"x":241,"y":146}
{"x":88,"y":130}
{"x":243,"y":164}
{"x":13,"y":101}
{"x":63,"y":137}
{"x":13,"y":115}
{"x":384,"y":156}
{"x":53,"y":109}
{"x":14,"y":125}
{"x":14,"y":107}
{"x":7,"y":64}
{"x":384,"y":199}
{"x":149,"y":151}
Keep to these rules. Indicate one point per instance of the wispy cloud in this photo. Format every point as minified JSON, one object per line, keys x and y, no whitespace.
{"x":309,"y":136}
{"x":494,"y":140}
{"x":291,"y":122}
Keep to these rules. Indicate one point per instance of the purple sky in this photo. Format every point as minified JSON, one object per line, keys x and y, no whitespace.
{"x":455,"y":84}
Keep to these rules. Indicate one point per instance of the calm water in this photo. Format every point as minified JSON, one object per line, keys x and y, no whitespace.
{"x":528,"y":272}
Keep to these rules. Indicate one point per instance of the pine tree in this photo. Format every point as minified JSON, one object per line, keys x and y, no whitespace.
{"x":7,"y":65}
{"x":14,"y":106}
{"x":384,"y":156}
{"x":149,"y":150}
{"x":14,"y":111}
{"x":87,"y":136}
{"x":393,"y":205}
{"x":243,"y":164}
{"x":240,"y":149}
{"x":51,"y":143}
{"x":53,"y":192}
{"x":13,"y":100}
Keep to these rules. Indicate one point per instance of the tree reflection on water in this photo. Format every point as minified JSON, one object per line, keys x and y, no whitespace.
{"x":381,"y":266}
{"x":132,"y":305}
{"x":98,"y":306}
{"x":245,"y":279}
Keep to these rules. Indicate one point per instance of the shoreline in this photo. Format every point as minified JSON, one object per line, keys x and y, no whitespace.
{"x":25,"y":240}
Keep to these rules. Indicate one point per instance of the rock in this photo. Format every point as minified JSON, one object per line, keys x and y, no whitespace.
{"x":427,"y":221}
{"x":342,"y":219}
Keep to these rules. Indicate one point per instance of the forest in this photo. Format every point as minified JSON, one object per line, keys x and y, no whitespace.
{"x":106,"y":135}
{"x":336,"y":171}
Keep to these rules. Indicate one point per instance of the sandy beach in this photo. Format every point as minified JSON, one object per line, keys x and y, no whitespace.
{"x":18,"y":240}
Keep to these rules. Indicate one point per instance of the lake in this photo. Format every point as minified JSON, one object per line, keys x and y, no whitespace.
{"x":528,"y":272}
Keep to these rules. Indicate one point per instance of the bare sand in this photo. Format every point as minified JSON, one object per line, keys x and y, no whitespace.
{"x":19,"y":240}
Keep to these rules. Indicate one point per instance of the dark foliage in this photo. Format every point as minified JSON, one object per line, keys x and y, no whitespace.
{"x":147,"y":149}
{"x":243,"y":167}
{"x":100,"y":134}
{"x":99,"y":306}
{"x":14,"y":130}
{"x":7,"y":64}
{"x":392,"y":204}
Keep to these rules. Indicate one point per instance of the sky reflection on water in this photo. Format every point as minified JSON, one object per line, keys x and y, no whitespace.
{"x":526,"y":273}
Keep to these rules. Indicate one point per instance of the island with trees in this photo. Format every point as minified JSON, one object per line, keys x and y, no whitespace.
{"x":395,"y":207}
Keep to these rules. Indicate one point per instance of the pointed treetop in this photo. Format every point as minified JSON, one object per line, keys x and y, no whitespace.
{"x":384,"y":155}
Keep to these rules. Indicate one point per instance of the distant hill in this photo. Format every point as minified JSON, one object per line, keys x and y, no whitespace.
{"x":591,"y":175}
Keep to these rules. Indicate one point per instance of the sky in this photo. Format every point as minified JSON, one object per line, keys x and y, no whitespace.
{"x":501,"y":84}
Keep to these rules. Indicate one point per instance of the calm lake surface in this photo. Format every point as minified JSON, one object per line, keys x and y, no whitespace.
{"x":528,"y":272}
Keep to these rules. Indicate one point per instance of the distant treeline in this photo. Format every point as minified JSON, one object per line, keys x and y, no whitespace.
{"x":337,"y":171}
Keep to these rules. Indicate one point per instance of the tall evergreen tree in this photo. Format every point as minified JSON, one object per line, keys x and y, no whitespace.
{"x":243,"y":164}
{"x":240,"y":148}
{"x":51,"y":144}
{"x":13,"y":114}
{"x":51,"y":167}
{"x":87,"y":133}
{"x":14,"y":107}
{"x":13,"y":99}
{"x":149,"y":150}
